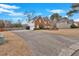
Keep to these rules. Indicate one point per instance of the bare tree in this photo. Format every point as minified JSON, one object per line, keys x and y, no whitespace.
{"x":55,"y":18}
{"x":2,"y":25}
{"x":29,"y":14}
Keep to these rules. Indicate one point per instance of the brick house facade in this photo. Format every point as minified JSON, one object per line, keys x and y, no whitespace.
{"x":42,"y":22}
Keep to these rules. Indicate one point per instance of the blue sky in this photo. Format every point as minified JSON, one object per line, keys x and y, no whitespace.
{"x":13,"y":12}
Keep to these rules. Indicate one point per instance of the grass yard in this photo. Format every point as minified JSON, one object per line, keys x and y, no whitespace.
{"x":65,"y":32}
{"x":15,"y":46}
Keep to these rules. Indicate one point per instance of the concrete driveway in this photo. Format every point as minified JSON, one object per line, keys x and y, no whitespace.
{"x":46,"y":44}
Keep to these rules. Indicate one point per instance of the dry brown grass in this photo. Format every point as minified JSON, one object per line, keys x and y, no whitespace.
{"x":65,"y":32}
{"x":15,"y":46}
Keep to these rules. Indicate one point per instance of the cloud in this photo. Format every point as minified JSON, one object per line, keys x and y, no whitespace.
{"x":56,"y":11}
{"x":5,"y":10}
{"x":8,"y":6}
{"x":10,"y":12}
{"x":16,"y":14}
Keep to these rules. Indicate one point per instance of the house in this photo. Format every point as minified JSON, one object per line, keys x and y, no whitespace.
{"x":64,"y":23}
{"x":42,"y":22}
{"x":39,"y":22}
{"x":31,"y":25}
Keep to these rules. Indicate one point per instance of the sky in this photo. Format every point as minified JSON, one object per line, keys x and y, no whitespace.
{"x":16,"y":11}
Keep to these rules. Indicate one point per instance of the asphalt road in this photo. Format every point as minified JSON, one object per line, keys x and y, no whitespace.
{"x":46,"y":44}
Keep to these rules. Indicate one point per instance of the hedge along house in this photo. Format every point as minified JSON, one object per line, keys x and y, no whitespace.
{"x":76,"y":23}
{"x":42,"y":23}
{"x":64,"y":23}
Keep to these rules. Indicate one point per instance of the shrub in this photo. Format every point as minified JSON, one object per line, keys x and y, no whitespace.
{"x":73,"y":26}
{"x":17,"y":25}
{"x":41,"y":27}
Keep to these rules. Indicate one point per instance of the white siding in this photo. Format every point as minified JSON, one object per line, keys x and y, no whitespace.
{"x":63,"y":25}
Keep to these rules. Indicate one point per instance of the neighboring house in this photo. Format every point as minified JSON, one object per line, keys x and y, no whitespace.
{"x":31,"y":25}
{"x":64,"y":23}
{"x":53,"y":23}
{"x":42,"y":22}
